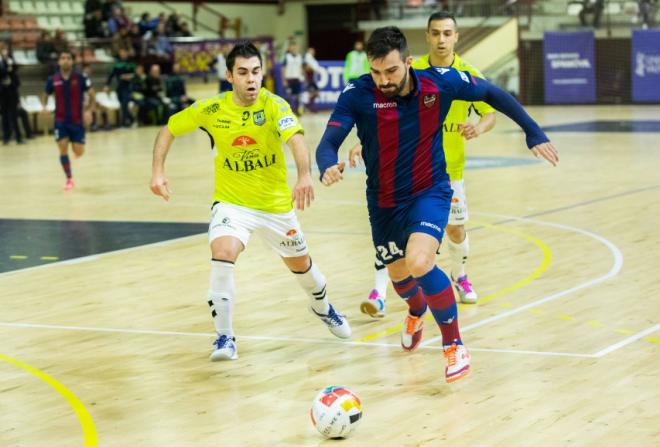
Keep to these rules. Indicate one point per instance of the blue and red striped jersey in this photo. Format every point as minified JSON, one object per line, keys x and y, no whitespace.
{"x":69,"y":96}
{"x":402,"y":136}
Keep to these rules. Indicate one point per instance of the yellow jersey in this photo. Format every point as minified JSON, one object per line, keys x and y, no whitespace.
{"x":452,"y":141}
{"x":250,"y":167}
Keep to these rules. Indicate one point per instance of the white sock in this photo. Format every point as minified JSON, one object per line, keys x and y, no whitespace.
{"x":458,"y":255}
{"x":221,"y":296}
{"x":381,"y":280}
{"x":313,"y":282}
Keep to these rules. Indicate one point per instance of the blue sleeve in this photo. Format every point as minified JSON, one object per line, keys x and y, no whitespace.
{"x":340,"y":124}
{"x":471,"y":88}
{"x":49,"y":86}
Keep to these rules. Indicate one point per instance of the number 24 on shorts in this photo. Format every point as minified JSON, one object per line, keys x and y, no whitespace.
{"x":386,"y":253}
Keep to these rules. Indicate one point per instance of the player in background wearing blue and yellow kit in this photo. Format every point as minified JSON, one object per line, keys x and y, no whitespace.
{"x":69,"y":88}
{"x":399,"y":113}
{"x":442,"y":36}
{"x":246,"y":127}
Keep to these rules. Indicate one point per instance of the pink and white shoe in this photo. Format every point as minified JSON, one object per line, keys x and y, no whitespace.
{"x":374,"y":305}
{"x":458,"y":362}
{"x":463,"y":287}
{"x":69,"y":185}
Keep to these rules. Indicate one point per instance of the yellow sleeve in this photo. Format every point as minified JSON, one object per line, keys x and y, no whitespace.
{"x":286,"y":121}
{"x":187,"y":120}
{"x":481,"y":108}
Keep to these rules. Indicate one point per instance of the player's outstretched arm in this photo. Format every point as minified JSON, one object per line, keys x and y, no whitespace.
{"x":326,"y":155}
{"x":482,"y":90}
{"x":159,"y":183}
{"x":303,"y":192}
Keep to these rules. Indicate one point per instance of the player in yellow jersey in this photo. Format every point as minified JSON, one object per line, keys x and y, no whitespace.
{"x":246,"y":128}
{"x":442,"y":36}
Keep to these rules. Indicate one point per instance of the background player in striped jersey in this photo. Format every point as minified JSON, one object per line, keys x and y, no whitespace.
{"x":69,"y":87}
{"x":442,"y":36}
{"x":399,"y":113}
{"x":246,"y":127}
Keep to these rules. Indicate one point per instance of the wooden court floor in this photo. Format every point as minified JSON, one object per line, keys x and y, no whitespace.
{"x":111,"y":349}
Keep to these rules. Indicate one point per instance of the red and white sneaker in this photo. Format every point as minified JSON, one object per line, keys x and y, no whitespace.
{"x":463,"y":287}
{"x":411,"y":334}
{"x":458,"y":362}
{"x":69,"y":185}
{"x":374,"y":305}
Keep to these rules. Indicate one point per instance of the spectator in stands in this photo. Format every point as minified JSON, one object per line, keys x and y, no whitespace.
{"x":377,"y":8}
{"x":292,"y":73}
{"x":122,"y":40}
{"x":647,"y":10}
{"x":60,"y":42}
{"x":136,"y":40}
{"x":173,"y":24}
{"x":145,"y":24}
{"x":118,"y":21}
{"x":356,"y":63}
{"x":221,"y":67}
{"x":91,"y":6}
{"x":9,"y":97}
{"x":95,"y":27}
{"x":153,"y":97}
{"x":46,"y":50}
{"x":157,"y":44}
{"x":98,"y":109}
{"x":138,"y":87}
{"x":184,"y":31}
{"x":594,"y":7}
{"x":311,"y":67}
{"x":24,"y":119}
{"x":108,"y":7}
{"x":123,"y":70}
{"x":175,"y":89}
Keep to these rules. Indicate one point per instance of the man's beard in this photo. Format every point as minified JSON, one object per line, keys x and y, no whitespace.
{"x":392,"y":93}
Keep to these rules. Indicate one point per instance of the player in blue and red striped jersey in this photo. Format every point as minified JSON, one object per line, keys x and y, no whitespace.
{"x":69,"y":88}
{"x":399,"y":113}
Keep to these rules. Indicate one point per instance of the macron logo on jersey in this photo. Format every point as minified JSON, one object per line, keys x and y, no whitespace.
{"x":348,"y":87}
{"x":385,"y":105}
{"x":441,"y":70}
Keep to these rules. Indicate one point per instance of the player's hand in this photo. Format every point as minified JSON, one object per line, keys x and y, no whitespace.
{"x":469,"y":130}
{"x":160,"y":186}
{"x":547,"y":151}
{"x":303,"y":192}
{"x":354,"y":155}
{"x":333,"y":174}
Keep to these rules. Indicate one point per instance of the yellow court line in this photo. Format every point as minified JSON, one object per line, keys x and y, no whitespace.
{"x":89,"y":430}
{"x":547,"y":258}
{"x":17,"y":257}
{"x":49,"y":258}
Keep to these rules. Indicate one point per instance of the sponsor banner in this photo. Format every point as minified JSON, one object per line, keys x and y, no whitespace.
{"x":646,"y":65}
{"x":198,"y":56}
{"x":569,"y":67}
{"x":329,"y":81}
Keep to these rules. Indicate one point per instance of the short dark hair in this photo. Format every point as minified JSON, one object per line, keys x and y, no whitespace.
{"x":66,"y":51}
{"x":384,"y":40}
{"x":441,"y":15}
{"x":245,"y":49}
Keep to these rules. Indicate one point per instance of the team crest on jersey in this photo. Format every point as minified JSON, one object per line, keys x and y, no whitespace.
{"x":210,"y":110}
{"x":429,"y":100}
{"x":259,"y":117}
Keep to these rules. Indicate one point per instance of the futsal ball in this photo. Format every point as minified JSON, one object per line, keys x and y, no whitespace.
{"x":336,"y":412}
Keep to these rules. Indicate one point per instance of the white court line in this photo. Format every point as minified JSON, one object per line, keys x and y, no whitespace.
{"x":315,"y":341}
{"x":99,"y":255}
{"x":627,"y":341}
{"x":616,"y":268}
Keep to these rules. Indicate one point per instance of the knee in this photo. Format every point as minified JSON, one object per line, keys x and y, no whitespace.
{"x":456,"y":233}
{"x":419,"y":263}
